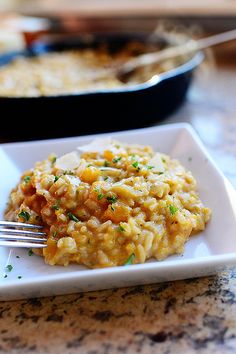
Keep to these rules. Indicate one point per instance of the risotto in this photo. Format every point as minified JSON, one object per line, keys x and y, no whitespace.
{"x":74,"y":71}
{"x":109,"y":204}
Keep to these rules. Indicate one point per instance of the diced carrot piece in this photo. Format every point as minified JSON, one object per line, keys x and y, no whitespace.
{"x":116,"y":213}
{"x":98,"y":194}
{"x":108,"y":155}
{"x":90,"y":174}
{"x":51,"y":248}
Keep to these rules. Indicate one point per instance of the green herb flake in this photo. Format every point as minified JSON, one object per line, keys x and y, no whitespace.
{"x":160,"y":173}
{"x":112,"y":199}
{"x":100,"y":196}
{"x":54,"y":234}
{"x":27,"y":179}
{"x":17,"y":256}
{"x":9,"y":267}
{"x":150,"y":167}
{"x":5,"y":276}
{"x":163,"y":160}
{"x":72,"y":217}
{"x":121,"y":228}
{"x":106,"y":163}
{"x":130,"y":259}
{"x":23,"y":214}
{"x":56,"y":178}
{"x":53,"y":160}
{"x":105,"y":178}
{"x":173,"y":209}
{"x":135,"y":164}
{"x":56,"y":206}
{"x":30,"y":253}
{"x":112,"y":207}
{"x":19,"y":277}
{"x":89,"y":165}
{"x":116,"y":159}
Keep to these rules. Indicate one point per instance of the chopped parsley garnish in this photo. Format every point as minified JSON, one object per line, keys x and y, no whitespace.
{"x":100,"y":196}
{"x":173,"y":209}
{"x":116,"y":159}
{"x":106,"y":163}
{"x":23,"y":214}
{"x":27,"y":179}
{"x":105,"y":178}
{"x":56,"y":206}
{"x":54,"y":234}
{"x":150,"y":167}
{"x":163,"y":160}
{"x":89,"y":165}
{"x":9,"y":267}
{"x":112,"y":199}
{"x":19,"y":277}
{"x":56,"y":178}
{"x":130,"y":259}
{"x":121,"y":228}
{"x":112,"y":207}
{"x":5,"y":276}
{"x":160,"y":173}
{"x":135,"y":164}
{"x":53,"y":160}
{"x":30,"y":253}
{"x":72,"y":217}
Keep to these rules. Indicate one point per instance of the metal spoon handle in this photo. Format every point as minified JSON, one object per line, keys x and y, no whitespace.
{"x":182,"y":49}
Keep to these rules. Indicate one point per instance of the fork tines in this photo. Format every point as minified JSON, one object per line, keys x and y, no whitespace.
{"x":15,"y":234}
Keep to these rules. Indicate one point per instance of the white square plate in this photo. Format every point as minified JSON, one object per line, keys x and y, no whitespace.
{"x":206,"y":253}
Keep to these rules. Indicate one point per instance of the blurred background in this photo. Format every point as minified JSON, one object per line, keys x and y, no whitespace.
{"x":79,"y":16}
{"x":23,"y":22}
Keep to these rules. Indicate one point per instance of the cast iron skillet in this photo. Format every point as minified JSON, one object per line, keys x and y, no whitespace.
{"x":99,"y":111}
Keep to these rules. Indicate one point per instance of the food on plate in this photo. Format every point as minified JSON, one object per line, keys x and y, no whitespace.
{"x":108,"y":204}
{"x":75,"y":71}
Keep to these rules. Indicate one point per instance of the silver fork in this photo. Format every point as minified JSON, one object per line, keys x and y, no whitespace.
{"x":15,"y":234}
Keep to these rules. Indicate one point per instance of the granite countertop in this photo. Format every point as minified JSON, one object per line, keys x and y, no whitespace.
{"x":191,"y":316}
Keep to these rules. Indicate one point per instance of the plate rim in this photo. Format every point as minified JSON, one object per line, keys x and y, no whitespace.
{"x":216,"y":260}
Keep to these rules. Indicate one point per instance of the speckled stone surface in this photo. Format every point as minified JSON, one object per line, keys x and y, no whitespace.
{"x":191,"y":316}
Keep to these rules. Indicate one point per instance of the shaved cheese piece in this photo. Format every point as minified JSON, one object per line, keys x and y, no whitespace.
{"x":101,"y":145}
{"x":68,"y":161}
{"x":157,"y":162}
{"x":73,"y":180}
{"x":97,"y":145}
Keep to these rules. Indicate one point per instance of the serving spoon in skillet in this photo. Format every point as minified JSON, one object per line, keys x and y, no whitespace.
{"x":125,"y":70}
